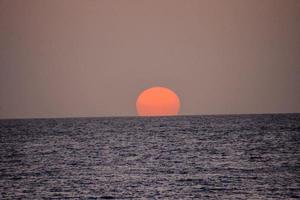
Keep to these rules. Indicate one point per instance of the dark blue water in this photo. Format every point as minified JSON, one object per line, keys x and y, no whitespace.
{"x":186,"y":157}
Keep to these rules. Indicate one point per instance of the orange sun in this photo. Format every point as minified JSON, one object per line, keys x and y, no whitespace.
{"x":157,"y":101}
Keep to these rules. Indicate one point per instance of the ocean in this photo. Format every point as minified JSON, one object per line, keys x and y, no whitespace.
{"x":182,"y":157}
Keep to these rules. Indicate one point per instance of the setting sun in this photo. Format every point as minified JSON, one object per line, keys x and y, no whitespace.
{"x":157,"y":101}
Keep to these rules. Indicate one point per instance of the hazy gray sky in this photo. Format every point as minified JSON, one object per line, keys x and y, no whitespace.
{"x":92,"y":58}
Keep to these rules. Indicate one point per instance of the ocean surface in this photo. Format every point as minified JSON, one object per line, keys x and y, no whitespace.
{"x":184,"y":157}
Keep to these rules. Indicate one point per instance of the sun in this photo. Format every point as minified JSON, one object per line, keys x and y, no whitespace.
{"x":157,"y":101}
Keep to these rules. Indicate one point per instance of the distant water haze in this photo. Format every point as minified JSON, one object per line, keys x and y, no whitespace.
{"x":71,"y":58}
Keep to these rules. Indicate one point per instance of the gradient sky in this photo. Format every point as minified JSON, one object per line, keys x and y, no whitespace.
{"x":67,"y":58}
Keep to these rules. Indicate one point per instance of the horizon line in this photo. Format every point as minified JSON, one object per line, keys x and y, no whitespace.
{"x":136,"y":116}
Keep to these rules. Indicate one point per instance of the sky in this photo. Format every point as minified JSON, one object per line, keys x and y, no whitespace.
{"x":73,"y":58}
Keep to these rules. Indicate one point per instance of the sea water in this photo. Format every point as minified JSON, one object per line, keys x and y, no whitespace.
{"x":184,"y":157}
